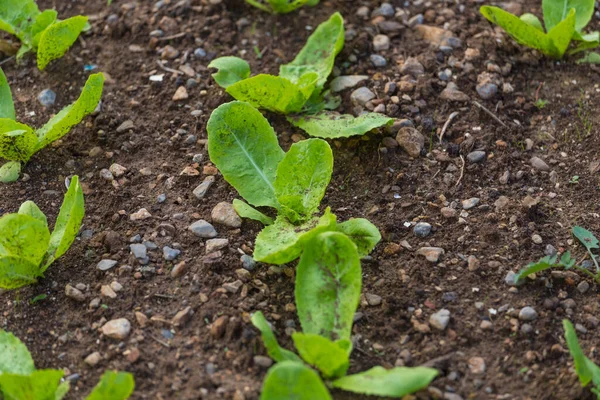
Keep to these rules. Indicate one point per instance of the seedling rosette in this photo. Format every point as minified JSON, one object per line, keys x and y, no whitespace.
{"x":19,"y":142}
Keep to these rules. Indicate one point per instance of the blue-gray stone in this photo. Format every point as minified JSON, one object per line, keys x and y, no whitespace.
{"x":170,"y":254}
{"x":203,"y":229}
{"x":377,"y":60}
{"x":385,"y":10}
{"x":161,"y":198}
{"x":422,"y":229}
{"x":476,"y":156}
{"x":47,"y":97}
{"x":150,"y":245}
{"x":248,"y":262}
{"x":199,"y":53}
{"x":138,"y":250}
{"x":487,"y":90}
{"x":105,"y":265}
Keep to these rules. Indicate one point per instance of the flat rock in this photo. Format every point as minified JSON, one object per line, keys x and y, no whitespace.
{"x":539,"y":164}
{"x":74,"y":293}
{"x":105,"y":265}
{"x":201,"y":190}
{"x":451,"y":93}
{"x":432,"y":254}
{"x":224,"y":214}
{"x":361,"y":96}
{"x":346,"y":82}
{"x":203,"y":229}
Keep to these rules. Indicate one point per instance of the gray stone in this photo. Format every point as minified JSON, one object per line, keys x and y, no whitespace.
{"x":440,"y":319}
{"x":203,"y":229}
{"x":537,"y":239}
{"x":539,"y":164}
{"x":125,"y":126}
{"x":74,"y":293}
{"x":511,"y":279}
{"x":451,"y":93}
{"x":224,"y":214}
{"x":385,"y":10}
{"x":381,"y":42}
{"x":248,"y":262}
{"x":361,"y":96}
{"x":117,"y":328}
{"x":487,"y":90}
{"x":105,"y":265}
{"x":216,"y":244}
{"x":422,"y":229}
{"x":377,"y":60}
{"x":346,"y":82}
{"x":470,"y":203}
{"x":432,"y":254}
{"x":202,"y":188}
{"x":161,"y":198}
{"x":583,"y":287}
{"x":139,"y":251}
{"x":528,"y":314}
{"x":476,"y":156}
{"x":412,"y":67}
{"x":263,"y":361}
{"x":47,"y":97}
{"x":170,"y":254}
{"x":373,"y":299}
{"x":411,"y":141}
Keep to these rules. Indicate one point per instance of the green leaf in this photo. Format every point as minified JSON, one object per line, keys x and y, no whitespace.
{"x":302,"y":178}
{"x":14,"y":356}
{"x":7,"y":107}
{"x":15,"y":15}
{"x":590,"y":58}
{"x":293,"y":380}
{"x":556,"y":11}
{"x":562,"y":34}
{"x":33,"y":33}
{"x":283,"y":241}
{"x":113,"y":386}
{"x":331,"y":125}
{"x":585,"y":42}
{"x":275,"y":351}
{"x":244,"y":147}
{"x":9,"y":172}
{"x":31,"y":209}
{"x":535,"y":267}
{"x":16,"y":272}
{"x":17,"y":141}
{"x":396,"y":382}
{"x":40,"y":385}
{"x":68,"y":221}
{"x":246,"y":211}
{"x":23,"y":236}
{"x":320,"y":352}
{"x":328,"y":282}
{"x":566,"y":260}
{"x":318,"y":55}
{"x":274,"y":93}
{"x":231,"y":70}
{"x":58,"y":38}
{"x":586,"y":238}
{"x":281,"y":6}
{"x":532,"y":20}
{"x":62,"y":390}
{"x":363,"y":233}
{"x":71,"y":115}
{"x":584,"y":374}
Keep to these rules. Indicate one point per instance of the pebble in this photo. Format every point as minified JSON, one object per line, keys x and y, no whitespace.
{"x":486,"y":325}
{"x":473,"y":263}
{"x":440,"y":319}
{"x":537,"y":239}
{"x":216,"y":244}
{"x":470,"y":203}
{"x":117,"y":328}
{"x":373,"y":299}
{"x":377,"y":60}
{"x":93,"y":359}
{"x":106,"y":175}
{"x":248,"y":262}
{"x":528,"y":314}
{"x":217,"y":329}
{"x":526,"y":329}
{"x":476,"y":365}
{"x":117,"y":170}
{"x":178,"y":270}
{"x":539,"y":164}
{"x":170,"y":254}
{"x":105,"y":265}
{"x":361,"y":96}
{"x":511,"y":278}
{"x":381,"y":42}
{"x":74,"y":293}
{"x":412,"y":67}
{"x":422,"y":229}
{"x":433,"y":34}
{"x":202,"y":188}
{"x":139,"y":251}
{"x":263,"y":362}
{"x":161,"y":198}
{"x":140,"y":215}
{"x":183,"y":317}
{"x":346,"y":82}
{"x":448,"y":212}
{"x":203,"y":229}
{"x":486,"y":90}
{"x":432,"y":254}
{"x":125,"y":126}
{"x":385,"y":10}
{"x":47,"y":97}
{"x":180,"y":94}
{"x":449,"y":297}
{"x":199,"y":53}
{"x":107,"y":291}
{"x":451,"y":93}
{"x":411,"y":141}
{"x":476,"y":156}
{"x":224,"y":214}
{"x":583,"y":287}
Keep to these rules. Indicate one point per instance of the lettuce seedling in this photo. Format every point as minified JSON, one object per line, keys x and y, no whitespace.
{"x":244,"y":147}
{"x":566,"y":261}
{"x":297,"y":91}
{"x":19,"y":379}
{"x":27,"y":248}
{"x":18,"y":142}
{"x":328,"y":285}
{"x":586,"y":369}
{"x":39,"y":31}
{"x":564,"y":21}
{"x":281,"y":6}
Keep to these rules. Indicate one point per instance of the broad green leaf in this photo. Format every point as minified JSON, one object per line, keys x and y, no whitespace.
{"x":532,"y":20}
{"x":556,"y":11}
{"x":275,"y":351}
{"x":302,"y":178}
{"x":16,"y":272}
{"x":113,"y":386}
{"x":584,"y":374}
{"x":17,"y":141}
{"x":71,"y":115}
{"x":7,"y":107}
{"x":40,"y":385}
{"x":331,"y":125}
{"x":273,"y":93}
{"x":23,"y":236}
{"x":15,"y":15}
{"x":9,"y":172}
{"x":68,"y":221}
{"x":328,"y":282}
{"x":58,"y":38}
{"x":231,"y":70}
{"x":244,"y":147}
{"x":363,"y":233}
{"x":247,"y":211}
{"x":283,"y":241}
{"x":318,"y":55}
{"x":14,"y":356}
{"x":33,"y":33}
{"x":562,"y":34}
{"x":396,"y":382}
{"x":586,"y":238}
{"x":320,"y":352}
{"x":535,"y":267}
{"x":521,"y":31}
{"x":292,"y":380}
{"x":31,"y":209}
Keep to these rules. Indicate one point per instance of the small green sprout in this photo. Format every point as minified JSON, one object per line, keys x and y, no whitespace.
{"x":574,"y":180}
{"x":281,"y":6}
{"x":540,"y":103}
{"x":587,"y":371}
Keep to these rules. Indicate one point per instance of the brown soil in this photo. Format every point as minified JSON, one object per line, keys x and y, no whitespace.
{"x":370,"y":180}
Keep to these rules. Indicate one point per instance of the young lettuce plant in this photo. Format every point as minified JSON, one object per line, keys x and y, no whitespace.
{"x":564,"y":21}
{"x":298,"y":90}
{"x":244,"y":147}
{"x":327,"y":292}
{"x":585,"y":368}
{"x":587,"y":239}
{"x":281,"y":6}
{"x":39,"y":31}
{"x":27,"y":248}
{"x":19,"y":379}
{"x":18,"y":142}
